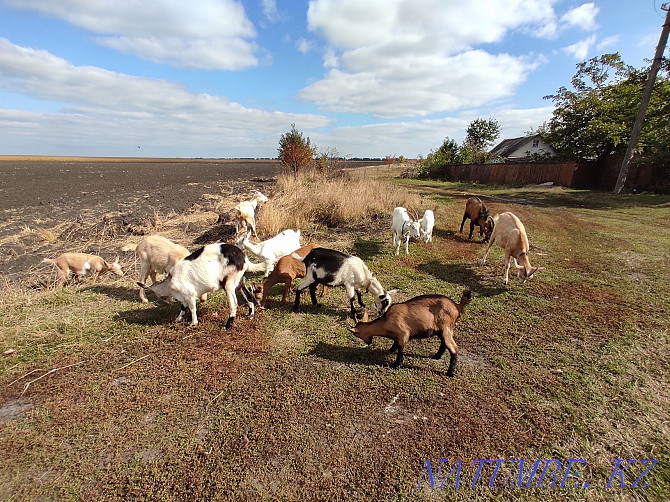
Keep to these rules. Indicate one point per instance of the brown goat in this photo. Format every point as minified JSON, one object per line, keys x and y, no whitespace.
{"x":478,"y":214}
{"x":286,"y":270}
{"x":420,"y":317}
{"x":81,"y":264}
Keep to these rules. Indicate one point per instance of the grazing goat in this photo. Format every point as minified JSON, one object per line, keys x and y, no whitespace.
{"x":208,"y":269}
{"x":286,"y":270}
{"x":245,"y":213}
{"x":157,"y":256}
{"x":403,"y":228}
{"x":420,"y":317}
{"x":332,"y":268}
{"x":271,"y":250}
{"x":510,"y":235}
{"x":81,"y":264}
{"x":426,"y":224}
{"x":476,"y":210}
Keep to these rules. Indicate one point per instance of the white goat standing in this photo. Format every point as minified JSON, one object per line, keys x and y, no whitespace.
{"x":426,"y":224}
{"x":510,"y":234}
{"x":245,"y":213}
{"x":271,"y":250}
{"x":403,"y":228}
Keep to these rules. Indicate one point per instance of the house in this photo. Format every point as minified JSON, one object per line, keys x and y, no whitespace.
{"x":520,"y":149}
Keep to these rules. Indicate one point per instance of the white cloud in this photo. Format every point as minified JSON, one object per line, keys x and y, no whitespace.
{"x":583,"y":17}
{"x":107,"y":108}
{"x":270,"y":10}
{"x":303,"y":45}
{"x":205,"y":34}
{"x":580,"y":50}
{"x":608,"y":42}
{"x":396,"y":58}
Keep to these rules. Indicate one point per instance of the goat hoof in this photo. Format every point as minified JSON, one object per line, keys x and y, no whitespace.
{"x":229,"y":323}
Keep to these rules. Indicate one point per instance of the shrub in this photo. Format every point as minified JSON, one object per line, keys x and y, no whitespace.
{"x":295,"y":151}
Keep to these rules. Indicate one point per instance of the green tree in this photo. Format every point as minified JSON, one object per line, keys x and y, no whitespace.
{"x":594,"y":119}
{"x":295,"y":151}
{"x":480,"y":135}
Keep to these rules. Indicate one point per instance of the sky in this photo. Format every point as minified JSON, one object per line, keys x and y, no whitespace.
{"x":360,"y":78}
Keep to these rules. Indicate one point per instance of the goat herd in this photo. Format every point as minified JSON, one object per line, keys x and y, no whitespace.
{"x":187,"y":277}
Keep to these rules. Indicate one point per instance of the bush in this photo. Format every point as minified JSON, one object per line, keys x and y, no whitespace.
{"x":295,"y":151}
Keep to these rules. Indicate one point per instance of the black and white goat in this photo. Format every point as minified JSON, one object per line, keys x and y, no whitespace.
{"x":208,"y":269}
{"x":332,"y":268}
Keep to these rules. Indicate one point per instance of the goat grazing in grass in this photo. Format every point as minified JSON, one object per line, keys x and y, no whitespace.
{"x":271,"y":250}
{"x":245,"y":213}
{"x":478,"y":214}
{"x":420,"y":317}
{"x":510,"y":235}
{"x":81,"y":264}
{"x":285,"y":271}
{"x":332,"y":268}
{"x":157,"y":256}
{"x":426,"y":224}
{"x":403,"y":228}
{"x":208,"y":269}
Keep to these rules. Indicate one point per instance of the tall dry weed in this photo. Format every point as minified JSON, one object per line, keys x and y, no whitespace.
{"x":333,"y":200}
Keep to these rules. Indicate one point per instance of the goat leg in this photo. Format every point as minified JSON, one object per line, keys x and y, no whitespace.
{"x":452,"y":364}
{"x":394,"y":347}
{"x":398,"y":360}
{"x":440,"y":351}
{"x":312,"y":293}
{"x":360,"y":298}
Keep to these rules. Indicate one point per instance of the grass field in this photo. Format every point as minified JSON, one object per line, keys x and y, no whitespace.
{"x":104,"y":398}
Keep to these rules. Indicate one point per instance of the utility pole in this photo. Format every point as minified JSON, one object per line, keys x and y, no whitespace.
{"x":646,"y":96}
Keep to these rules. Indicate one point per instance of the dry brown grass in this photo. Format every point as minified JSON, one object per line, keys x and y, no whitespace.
{"x":336,"y":201}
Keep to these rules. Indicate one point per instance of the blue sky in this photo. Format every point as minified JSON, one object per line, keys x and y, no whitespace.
{"x":223,"y":78}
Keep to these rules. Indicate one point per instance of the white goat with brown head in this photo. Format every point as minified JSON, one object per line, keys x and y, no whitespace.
{"x":510,"y":234}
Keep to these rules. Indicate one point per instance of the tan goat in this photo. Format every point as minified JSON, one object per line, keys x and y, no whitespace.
{"x":510,"y":234}
{"x":81,"y":264}
{"x":286,"y":270}
{"x":157,"y":256}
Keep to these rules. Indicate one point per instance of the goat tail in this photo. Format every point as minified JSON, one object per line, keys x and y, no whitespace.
{"x":256,"y":267}
{"x":465,"y":299}
{"x":129,"y":247}
{"x":48,"y":260}
{"x":298,"y":257}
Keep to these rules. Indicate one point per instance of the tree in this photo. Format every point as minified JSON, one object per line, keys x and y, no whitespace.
{"x":481,"y":133}
{"x":295,"y":151}
{"x":595,"y":118}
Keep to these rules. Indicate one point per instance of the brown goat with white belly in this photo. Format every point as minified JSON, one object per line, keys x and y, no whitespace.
{"x":286,"y":270}
{"x":476,"y":210}
{"x":420,"y":317}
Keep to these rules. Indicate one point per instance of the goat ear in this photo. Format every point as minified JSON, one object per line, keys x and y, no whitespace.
{"x":352,"y":330}
{"x":365,"y":316}
{"x":392,"y":292}
{"x":535,"y":270}
{"x":116,"y":260}
{"x":143,"y":286}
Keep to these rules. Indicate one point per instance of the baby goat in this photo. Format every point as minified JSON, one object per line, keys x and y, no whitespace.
{"x":271,"y":250}
{"x":208,"y":269}
{"x":476,"y":210}
{"x":286,"y":270}
{"x":426,"y":224}
{"x":420,"y":317}
{"x":245,"y":213}
{"x":403,"y":228}
{"x":81,"y":264}
{"x":510,"y":235}
{"x":332,"y":268}
{"x":157,"y":256}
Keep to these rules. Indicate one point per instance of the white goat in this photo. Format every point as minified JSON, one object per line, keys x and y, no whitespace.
{"x":271,"y":250}
{"x":403,"y":228}
{"x":426,"y":223}
{"x":208,"y":269}
{"x":510,"y":234}
{"x":245,"y":213}
{"x":157,"y":256}
{"x":332,"y":268}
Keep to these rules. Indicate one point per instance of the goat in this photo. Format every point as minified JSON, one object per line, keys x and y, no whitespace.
{"x":245,"y":213}
{"x":332,"y":268}
{"x":426,"y":224}
{"x":286,"y":270}
{"x":478,"y":214}
{"x":510,"y":235}
{"x":403,"y":228}
{"x":271,"y":250}
{"x":420,"y":317}
{"x":81,"y":264}
{"x":208,"y":269}
{"x":157,"y":256}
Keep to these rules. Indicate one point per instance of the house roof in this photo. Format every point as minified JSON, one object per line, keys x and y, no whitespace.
{"x":508,"y":146}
